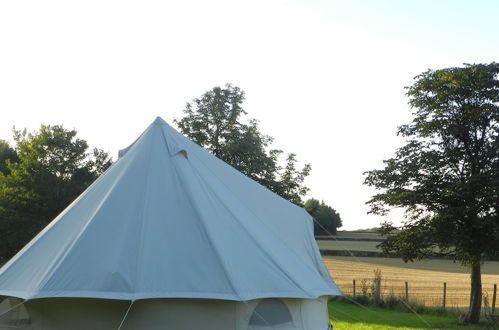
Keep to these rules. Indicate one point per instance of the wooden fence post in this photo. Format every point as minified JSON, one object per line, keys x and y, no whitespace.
{"x":445,"y":294}
{"x":494,"y":298}
{"x":406,"y":292}
{"x":354,"y":288}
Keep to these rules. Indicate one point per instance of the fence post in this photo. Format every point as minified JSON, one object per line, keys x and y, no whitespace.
{"x":354,"y":288}
{"x":494,"y":299}
{"x":406,"y":292}
{"x":445,"y":294}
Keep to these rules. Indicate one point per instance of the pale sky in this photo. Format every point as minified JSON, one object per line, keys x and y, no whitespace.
{"x":324,"y":78}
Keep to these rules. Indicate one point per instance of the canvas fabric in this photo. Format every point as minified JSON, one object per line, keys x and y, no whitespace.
{"x":170,"y":220}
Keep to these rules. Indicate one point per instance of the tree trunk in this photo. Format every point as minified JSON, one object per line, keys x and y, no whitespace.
{"x":476,"y":293}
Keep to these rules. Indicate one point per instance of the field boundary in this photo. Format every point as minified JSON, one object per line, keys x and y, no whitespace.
{"x":344,"y":253}
{"x":429,"y":287}
{"x":341,"y":238}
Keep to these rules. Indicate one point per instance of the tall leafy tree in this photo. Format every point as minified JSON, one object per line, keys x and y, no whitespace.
{"x":7,"y":154}
{"x":215,"y":122}
{"x":446,"y":176}
{"x":327,"y":220}
{"x":52,"y":168}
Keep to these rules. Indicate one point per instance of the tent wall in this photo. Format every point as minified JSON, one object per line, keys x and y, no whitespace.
{"x":75,"y":313}
{"x":174,"y":314}
{"x":181,"y":314}
{"x":13,"y":314}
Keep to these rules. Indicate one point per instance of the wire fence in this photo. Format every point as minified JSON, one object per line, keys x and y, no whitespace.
{"x":431,"y":295}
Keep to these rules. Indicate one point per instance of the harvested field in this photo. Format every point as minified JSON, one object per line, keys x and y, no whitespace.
{"x":348,"y":245}
{"x":442,"y":265}
{"x":425,"y":286}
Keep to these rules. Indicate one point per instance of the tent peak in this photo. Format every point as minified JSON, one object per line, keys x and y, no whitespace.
{"x":159,"y":121}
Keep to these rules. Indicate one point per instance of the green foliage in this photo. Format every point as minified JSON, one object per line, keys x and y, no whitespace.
{"x":214,"y":121}
{"x":51,"y":169}
{"x":446,"y":176}
{"x":7,"y":154}
{"x":327,"y":220}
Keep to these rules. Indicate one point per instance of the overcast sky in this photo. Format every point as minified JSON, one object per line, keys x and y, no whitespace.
{"x":324,"y":78}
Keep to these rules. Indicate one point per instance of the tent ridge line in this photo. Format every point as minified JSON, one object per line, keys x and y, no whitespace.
{"x":142,"y":223}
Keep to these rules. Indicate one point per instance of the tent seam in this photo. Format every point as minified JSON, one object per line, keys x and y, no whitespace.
{"x":210,"y":239}
{"x":142,"y":224}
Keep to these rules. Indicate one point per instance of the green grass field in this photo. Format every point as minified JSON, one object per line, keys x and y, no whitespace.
{"x":349,"y":316}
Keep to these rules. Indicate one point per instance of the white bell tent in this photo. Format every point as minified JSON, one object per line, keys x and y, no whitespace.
{"x":170,"y":237}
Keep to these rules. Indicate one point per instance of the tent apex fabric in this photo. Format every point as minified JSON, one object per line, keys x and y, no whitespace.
{"x":159,"y":121}
{"x":170,"y":220}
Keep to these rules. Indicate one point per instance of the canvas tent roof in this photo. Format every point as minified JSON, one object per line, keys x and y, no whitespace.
{"x":170,"y":220}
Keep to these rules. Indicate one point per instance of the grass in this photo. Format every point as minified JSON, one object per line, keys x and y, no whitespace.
{"x":350,"y":316}
{"x":425,"y":286}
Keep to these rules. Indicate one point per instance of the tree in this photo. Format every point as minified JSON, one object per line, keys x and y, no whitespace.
{"x":446,"y":176}
{"x":7,"y":154}
{"x":214,"y":121}
{"x":327,"y":220}
{"x":52,"y":168}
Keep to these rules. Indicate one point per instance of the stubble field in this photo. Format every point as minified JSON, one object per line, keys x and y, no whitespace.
{"x":425,"y":279}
